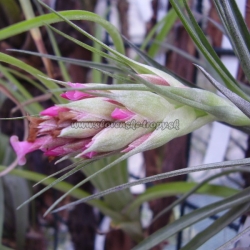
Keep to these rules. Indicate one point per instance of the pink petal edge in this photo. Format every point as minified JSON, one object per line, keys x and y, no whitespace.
{"x":53,"y":111}
{"x":157,"y":80}
{"x":122,"y":114}
{"x":75,"y":95}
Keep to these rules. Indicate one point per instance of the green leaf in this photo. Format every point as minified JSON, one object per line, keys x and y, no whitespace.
{"x":17,"y":191}
{"x":75,"y":167}
{"x":179,"y":187}
{"x":155,"y":64}
{"x":206,"y":49}
{"x":36,"y":107}
{"x":193,"y":190}
{"x":120,"y":54}
{"x":55,"y":47}
{"x":94,"y":50}
{"x":11,"y":10}
{"x":138,"y":67}
{"x":27,"y":79}
{"x":237,"y":31}
{"x":202,"y":100}
{"x":83,"y":63}
{"x":217,"y":226}
{"x":152,"y":32}
{"x":218,"y":165}
{"x":61,"y":178}
{"x":193,"y":217}
{"x":6,"y":153}
{"x":165,"y":28}
{"x":114,"y":177}
{"x":90,"y":177}
{"x":240,"y":21}
{"x":111,"y":29}
{"x":96,"y":57}
{"x":71,"y":166}
{"x":230,"y":243}
{"x":180,"y":52}
{"x":35,"y":72}
{"x":17,"y":97}
{"x":64,"y":187}
{"x":241,"y":103}
{"x":53,"y":18}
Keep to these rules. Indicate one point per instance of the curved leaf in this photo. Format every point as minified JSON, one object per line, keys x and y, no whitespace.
{"x":206,"y":49}
{"x":179,"y":187}
{"x":193,"y":217}
{"x":63,"y":187}
{"x":237,"y":31}
{"x":230,"y":243}
{"x":241,"y":103}
{"x":218,"y":165}
{"x":155,"y":64}
{"x":61,"y":178}
{"x":193,"y":190}
{"x":53,"y":18}
{"x":36,"y":107}
{"x":202,"y":100}
{"x":35,"y":72}
{"x":169,"y":21}
{"x":216,"y":226}
{"x":83,"y":63}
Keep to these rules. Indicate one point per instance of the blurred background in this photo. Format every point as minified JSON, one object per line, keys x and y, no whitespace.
{"x":84,"y":226}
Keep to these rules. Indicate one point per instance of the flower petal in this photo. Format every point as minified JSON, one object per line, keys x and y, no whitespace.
{"x":143,"y":103}
{"x":75,"y":95}
{"x":53,"y":111}
{"x":95,"y":106}
{"x":154,"y":79}
{"x":80,"y":130}
{"x":24,"y":147}
{"x":122,"y":114}
{"x":117,"y":136}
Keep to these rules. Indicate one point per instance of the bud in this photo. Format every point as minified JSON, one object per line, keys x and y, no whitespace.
{"x":145,"y":103}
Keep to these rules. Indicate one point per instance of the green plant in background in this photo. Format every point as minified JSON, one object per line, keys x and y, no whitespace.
{"x":148,"y":93}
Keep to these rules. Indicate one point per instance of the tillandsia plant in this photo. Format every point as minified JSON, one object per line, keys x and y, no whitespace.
{"x":98,"y":121}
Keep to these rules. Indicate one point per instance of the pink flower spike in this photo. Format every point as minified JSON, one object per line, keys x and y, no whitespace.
{"x":53,"y":111}
{"x":154,"y":79}
{"x":122,"y":114}
{"x":136,"y":143}
{"x":75,"y":95}
{"x":24,"y":147}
